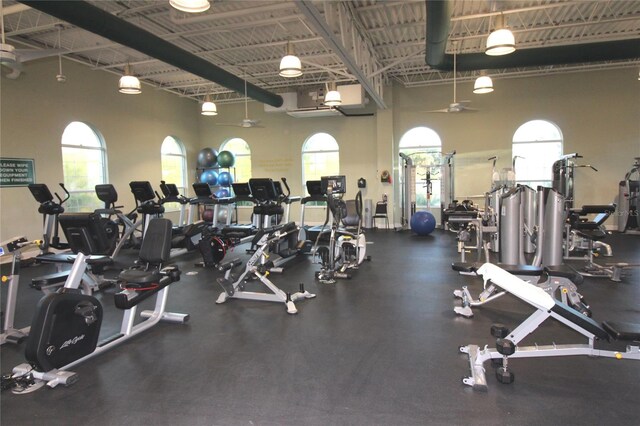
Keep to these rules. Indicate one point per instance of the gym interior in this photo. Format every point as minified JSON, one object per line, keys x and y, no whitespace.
{"x":386,"y":345}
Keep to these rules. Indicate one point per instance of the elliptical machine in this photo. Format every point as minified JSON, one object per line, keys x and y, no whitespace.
{"x":346,"y":250}
{"x":50,"y":211}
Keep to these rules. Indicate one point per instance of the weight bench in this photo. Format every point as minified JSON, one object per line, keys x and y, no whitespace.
{"x":546,"y":307}
{"x":559,"y":279}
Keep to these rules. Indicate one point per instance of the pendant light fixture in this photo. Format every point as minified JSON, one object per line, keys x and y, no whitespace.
{"x":129,"y":83}
{"x":190,"y":6}
{"x":290,"y":65}
{"x":501,"y":41}
{"x":332,"y":97}
{"x":209,"y":107}
{"x":483,"y":84}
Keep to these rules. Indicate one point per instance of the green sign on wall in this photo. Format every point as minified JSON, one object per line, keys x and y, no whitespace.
{"x":17,"y":171}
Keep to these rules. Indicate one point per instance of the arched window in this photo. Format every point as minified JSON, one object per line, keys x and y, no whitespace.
{"x":240,"y":148}
{"x":84,"y":164}
{"x":320,"y":157}
{"x":174,"y":165}
{"x":539,"y":143}
{"x":424,"y":147}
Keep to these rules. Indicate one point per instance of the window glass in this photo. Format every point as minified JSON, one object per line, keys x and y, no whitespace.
{"x":539,"y":144}
{"x":320,"y":157}
{"x":240,"y":148}
{"x":174,"y":166}
{"x":84,"y":164}
{"x":424,"y":147}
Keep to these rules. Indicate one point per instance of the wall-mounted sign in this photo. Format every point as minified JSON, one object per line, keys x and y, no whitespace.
{"x":17,"y":171}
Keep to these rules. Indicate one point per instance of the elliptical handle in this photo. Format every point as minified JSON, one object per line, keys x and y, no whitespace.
{"x":286,"y":185}
{"x":68,"y":195}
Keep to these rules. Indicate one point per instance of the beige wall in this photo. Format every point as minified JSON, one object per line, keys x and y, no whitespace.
{"x":598,"y":113}
{"x":35,"y":109}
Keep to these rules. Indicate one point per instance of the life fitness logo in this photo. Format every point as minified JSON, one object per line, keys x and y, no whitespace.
{"x":66,"y":343}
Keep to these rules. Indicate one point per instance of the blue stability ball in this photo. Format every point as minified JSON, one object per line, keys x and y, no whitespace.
{"x":226,"y":159}
{"x":209,"y":176}
{"x":225,"y":179}
{"x":207,"y":157}
{"x":222,"y":193}
{"x":423,"y":223}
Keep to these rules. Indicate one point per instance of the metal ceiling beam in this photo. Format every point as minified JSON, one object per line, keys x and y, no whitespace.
{"x":100,"y":22}
{"x":351,"y":46}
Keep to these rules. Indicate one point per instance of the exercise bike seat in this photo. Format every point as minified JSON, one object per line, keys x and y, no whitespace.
{"x":139,"y":276}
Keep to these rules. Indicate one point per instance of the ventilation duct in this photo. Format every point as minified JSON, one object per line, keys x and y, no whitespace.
{"x":438,"y":20}
{"x":102,"y":23}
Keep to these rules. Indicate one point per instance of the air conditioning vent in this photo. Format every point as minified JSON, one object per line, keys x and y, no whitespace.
{"x":314,"y":112}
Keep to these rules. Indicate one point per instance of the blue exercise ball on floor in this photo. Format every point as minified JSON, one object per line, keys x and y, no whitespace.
{"x":207,"y":157}
{"x":423,"y":223}
{"x":225,"y":179}
{"x":209,"y":176}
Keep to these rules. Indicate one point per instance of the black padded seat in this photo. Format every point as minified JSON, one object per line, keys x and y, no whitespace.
{"x":48,"y":280}
{"x":138,"y":276}
{"x":564,"y":271}
{"x":622,"y":330}
{"x":521,"y":270}
{"x":238,"y":231}
{"x":580,"y":320}
{"x":268,"y":210}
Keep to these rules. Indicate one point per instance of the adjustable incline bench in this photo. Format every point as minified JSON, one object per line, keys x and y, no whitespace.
{"x":557,"y":280}
{"x":546,"y":307}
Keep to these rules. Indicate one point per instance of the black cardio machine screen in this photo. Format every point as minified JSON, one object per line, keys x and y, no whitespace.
{"x":338,"y":184}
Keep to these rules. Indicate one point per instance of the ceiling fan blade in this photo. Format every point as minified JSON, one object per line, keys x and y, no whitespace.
{"x":228,"y":124}
{"x":467,"y":109}
{"x":438,"y":110}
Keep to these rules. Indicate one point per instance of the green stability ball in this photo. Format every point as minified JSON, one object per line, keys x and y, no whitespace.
{"x":226,"y":159}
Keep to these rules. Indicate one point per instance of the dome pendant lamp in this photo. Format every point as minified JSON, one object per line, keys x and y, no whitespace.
{"x":332,"y":98}
{"x":129,"y":83}
{"x":190,"y":6}
{"x":501,"y":41}
{"x":483,"y":84}
{"x":290,"y":65}
{"x":209,"y":107}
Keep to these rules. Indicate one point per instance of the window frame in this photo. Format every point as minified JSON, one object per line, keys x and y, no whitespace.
{"x":303,"y":153}
{"x":537,"y":142}
{"x":182,"y":186}
{"x":102,"y":148}
{"x":427,"y":149}
{"x":223,"y":147}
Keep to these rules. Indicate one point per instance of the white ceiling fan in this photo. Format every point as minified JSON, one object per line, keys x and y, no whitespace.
{"x":246,"y":122}
{"x":455,"y":106}
{"x":12,"y":59}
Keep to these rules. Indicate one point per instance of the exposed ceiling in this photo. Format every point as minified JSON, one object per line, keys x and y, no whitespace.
{"x":371,"y":42}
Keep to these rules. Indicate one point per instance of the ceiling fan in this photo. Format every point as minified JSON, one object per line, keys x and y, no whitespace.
{"x":455,"y":106}
{"x":12,"y":59}
{"x":246,"y":122}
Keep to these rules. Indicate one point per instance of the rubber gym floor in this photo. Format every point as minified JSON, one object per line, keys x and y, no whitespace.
{"x":380,"y":349}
